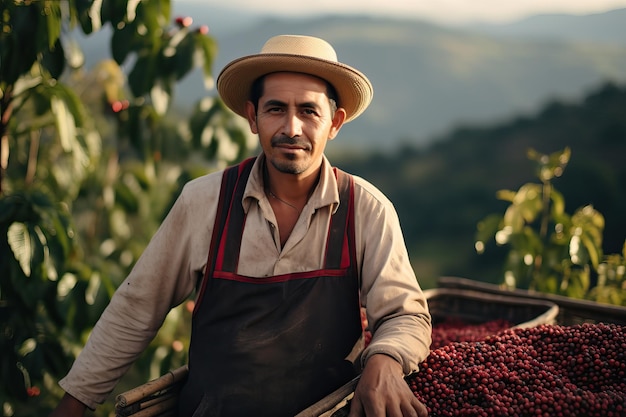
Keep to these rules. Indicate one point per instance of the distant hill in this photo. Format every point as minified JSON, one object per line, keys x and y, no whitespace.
{"x":442,"y":191}
{"x":427,"y":78}
{"x":603,"y":28}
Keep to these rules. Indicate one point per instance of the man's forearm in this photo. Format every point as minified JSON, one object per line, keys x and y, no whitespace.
{"x":69,"y":407}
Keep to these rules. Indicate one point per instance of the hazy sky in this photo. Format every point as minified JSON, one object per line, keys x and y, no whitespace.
{"x":450,"y":11}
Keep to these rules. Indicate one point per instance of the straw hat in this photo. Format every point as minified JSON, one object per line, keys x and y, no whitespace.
{"x":295,"y":53}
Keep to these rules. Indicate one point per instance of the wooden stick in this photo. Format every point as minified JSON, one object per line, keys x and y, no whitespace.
{"x":136,"y":394}
{"x":159,"y":408}
{"x":131,"y":409}
{"x":329,"y":402}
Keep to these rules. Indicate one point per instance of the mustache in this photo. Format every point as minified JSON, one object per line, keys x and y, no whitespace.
{"x":286,"y":140}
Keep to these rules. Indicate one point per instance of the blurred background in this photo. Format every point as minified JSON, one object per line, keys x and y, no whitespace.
{"x":485,"y":119}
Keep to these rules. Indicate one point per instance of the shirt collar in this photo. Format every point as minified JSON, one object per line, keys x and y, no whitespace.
{"x":325,"y":193}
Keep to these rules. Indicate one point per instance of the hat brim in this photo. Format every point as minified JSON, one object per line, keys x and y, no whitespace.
{"x":235,"y":81}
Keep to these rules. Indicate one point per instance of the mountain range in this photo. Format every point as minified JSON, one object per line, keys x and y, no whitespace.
{"x":441,"y":192}
{"x":429,"y":79}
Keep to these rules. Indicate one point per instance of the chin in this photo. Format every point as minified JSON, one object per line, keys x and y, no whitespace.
{"x":289,"y":166}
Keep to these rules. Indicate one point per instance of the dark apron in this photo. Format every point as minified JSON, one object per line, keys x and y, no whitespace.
{"x":271,"y":346}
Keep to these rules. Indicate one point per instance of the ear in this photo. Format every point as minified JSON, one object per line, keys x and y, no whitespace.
{"x":340,"y":117}
{"x":251,"y":117}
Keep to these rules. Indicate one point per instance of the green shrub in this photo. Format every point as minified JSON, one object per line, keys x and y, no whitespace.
{"x":550,"y":250}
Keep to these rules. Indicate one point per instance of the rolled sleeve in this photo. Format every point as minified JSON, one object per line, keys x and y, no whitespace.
{"x":397,"y":310}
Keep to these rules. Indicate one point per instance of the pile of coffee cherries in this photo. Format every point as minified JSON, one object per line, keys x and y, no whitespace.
{"x":454,"y":329}
{"x":548,"y":370}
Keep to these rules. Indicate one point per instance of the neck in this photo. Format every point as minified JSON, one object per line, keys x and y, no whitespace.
{"x":294,"y":189}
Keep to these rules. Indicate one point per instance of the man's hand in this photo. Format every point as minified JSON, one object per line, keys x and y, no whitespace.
{"x":383,"y":392}
{"x":69,"y":407}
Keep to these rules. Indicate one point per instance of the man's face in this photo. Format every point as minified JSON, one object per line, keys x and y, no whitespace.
{"x":294,"y":122}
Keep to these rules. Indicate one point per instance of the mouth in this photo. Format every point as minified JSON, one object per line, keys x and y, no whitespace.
{"x":290,"y":144}
{"x":291,"y":147}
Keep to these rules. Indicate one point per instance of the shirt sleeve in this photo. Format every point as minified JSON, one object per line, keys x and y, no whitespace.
{"x":397,"y":310}
{"x":163,"y":277}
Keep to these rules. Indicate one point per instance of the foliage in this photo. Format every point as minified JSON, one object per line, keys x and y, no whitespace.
{"x":611,"y":284}
{"x":549,"y":250}
{"x":90,"y":162}
{"x":40,"y":238}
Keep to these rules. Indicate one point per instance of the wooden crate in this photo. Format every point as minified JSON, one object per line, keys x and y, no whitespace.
{"x":479,"y":307}
{"x":571,"y":310}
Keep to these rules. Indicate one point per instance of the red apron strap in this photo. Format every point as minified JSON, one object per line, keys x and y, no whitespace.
{"x":230,"y":184}
{"x":338,"y":253}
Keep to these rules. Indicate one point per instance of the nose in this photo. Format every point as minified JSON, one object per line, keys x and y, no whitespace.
{"x":292,"y":127}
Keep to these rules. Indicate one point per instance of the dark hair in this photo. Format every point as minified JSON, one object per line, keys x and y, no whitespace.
{"x":256,"y":91}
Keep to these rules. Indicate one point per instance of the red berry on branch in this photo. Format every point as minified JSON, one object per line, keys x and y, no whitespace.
{"x":117,"y":106}
{"x":184,"y":22}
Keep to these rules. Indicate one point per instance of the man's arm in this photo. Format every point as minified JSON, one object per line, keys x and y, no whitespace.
{"x":397,"y":312}
{"x":162,"y":278}
{"x":69,"y":407}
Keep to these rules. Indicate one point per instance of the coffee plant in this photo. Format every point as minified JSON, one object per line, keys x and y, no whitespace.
{"x":550,"y":250}
{"x":90,"y":162}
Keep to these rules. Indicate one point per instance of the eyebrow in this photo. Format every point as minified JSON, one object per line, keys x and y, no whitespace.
{"x":278,"y":103}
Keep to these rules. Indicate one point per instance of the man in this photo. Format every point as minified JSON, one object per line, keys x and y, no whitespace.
{"x":295,"y":247}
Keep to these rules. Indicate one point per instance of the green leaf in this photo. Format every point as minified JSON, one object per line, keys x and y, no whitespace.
{"x":66,"y":124}
{"x":529,"y":200}
{"x":19,"y":46}
{"x":208,"y":50}
{"x":534,"y":244}
{"x":21,"y":245}
{"x":114,"y":11}
{"x":577,"y":250}
{"x":160,"y":95}
{"x":142,"y":76}
{"x":578,"y":284}
{"x":204,"y":113}
{"x":126,"y":198}
{"x":552,"y":165}
{"x":39,"y":245}
{"x":558,"y":204}
{"x":54,"y":22}
{"x":506,"y":195}
{"x":184,"y":54}
{"x":88,"y":15}
{"x":513,"y":219}
{"x":71,"y":102}
{"x":594,"y":251}
{"x":123,"y":43}
{"x":53,"y":60}
{"x":589,"y":218}
{"x":57,"y":236}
